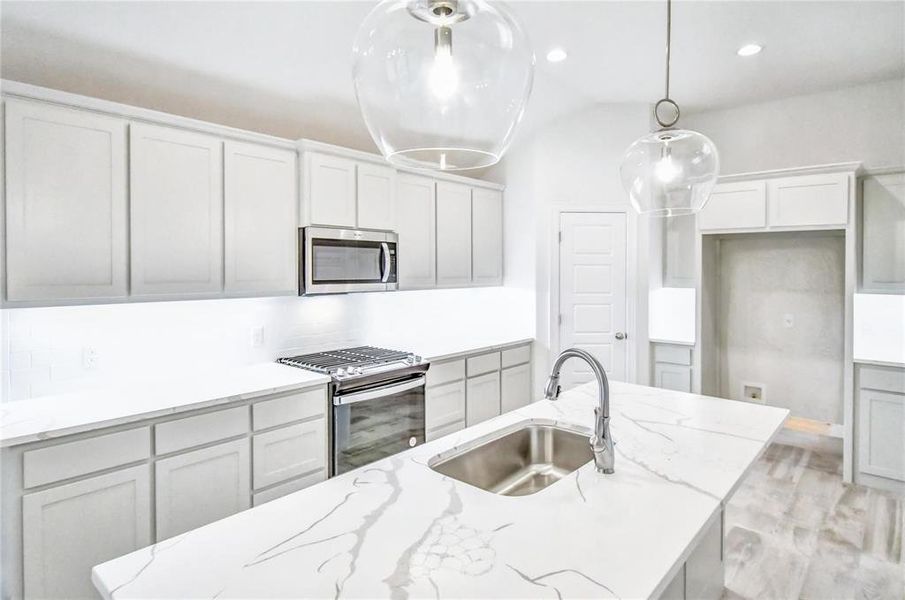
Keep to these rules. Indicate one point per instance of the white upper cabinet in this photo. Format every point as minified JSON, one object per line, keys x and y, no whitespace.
{"x":66,"y":203}
{"x":177,"y":211}
{"x":740,"y":205}
{"x":416,"y":224}
{"x":260,"y":205}
{"x":376,"y":191}
{"x":330,"y":190}
{"x":808,"y":200}
{"x":883,"y":234}
{"x":487,"y":236}
{"x":453,"y":234}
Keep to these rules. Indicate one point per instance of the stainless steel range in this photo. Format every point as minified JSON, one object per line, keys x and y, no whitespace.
{"x":377,"y":401}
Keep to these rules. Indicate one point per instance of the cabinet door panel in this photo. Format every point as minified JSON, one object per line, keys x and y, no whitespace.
{"x":69,"y":529}
{"x":287,"y":452}
{"x":453,"y":234}
{"x":883,"y":234}
{"x":672,"y":377}
{"x":331,"y":190}
{"x":444,"y":405}
{"x":177,"y":211}
{"x":376,"y":190}
{"x":202,"y":486}
{"x":881,"y":434}
{"x":487,"y":237}
{"x":260,"y":219}
{"x":66,"y":203}
{"x":416,"y":224}
{"x":809,"y":200}
{"x":735,"y":206}
{"x":482,"y":398}
{"x":515,"y":383}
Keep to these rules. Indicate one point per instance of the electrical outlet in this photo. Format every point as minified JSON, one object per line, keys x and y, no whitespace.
{"x":90,"y":358}
{"x":257,"y":337}
{"x":788,"y":321}
{"x":753,"y":392}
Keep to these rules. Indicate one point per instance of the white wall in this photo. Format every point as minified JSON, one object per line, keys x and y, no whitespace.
{"x":863,"y":123}
{"x":45,"y":349}
{"x":574,"y":161}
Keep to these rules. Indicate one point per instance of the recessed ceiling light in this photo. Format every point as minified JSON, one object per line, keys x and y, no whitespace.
{"x":556,"y":55}
{"x":749,"y":49}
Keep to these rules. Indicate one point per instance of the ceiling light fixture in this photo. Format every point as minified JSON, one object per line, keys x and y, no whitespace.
{"x":671,"y":171}
{"x":436,"y":94}
{"x":749,"y":50}
{"x":557,"y":55}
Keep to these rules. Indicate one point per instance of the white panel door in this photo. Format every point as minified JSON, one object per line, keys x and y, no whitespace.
{"x":330,"y":190}
{"x":592,"y":292}
{"x":515,"y":384}
{"x":482,"y":398}
{"x":376,"y":190}
{"x":177,"y":211}
{"x":487,"y":236}
{"x":66,"y":203}
{"x":416,"y":225}
{"x":260,"y":205}
{"x":202,"y":486}
{"x":453,"y":234}
{"x":66,"y":530}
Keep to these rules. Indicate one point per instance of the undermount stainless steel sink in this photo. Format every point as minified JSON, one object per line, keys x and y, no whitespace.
{"x":519,"y":460}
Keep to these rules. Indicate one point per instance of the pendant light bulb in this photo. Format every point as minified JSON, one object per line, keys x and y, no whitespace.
{"x":444,"y":73}
{"x":670,"y":172}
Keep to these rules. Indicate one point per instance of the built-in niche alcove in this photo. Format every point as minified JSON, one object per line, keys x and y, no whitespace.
{"x":773,"y":320}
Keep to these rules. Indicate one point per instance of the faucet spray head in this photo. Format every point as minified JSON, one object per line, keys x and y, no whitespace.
{"x":551,"y":391}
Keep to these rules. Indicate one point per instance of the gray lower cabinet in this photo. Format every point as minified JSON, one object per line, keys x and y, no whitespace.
{"x":445,"y":409}
{"x":880,"y":426}
{"x":515,"y":387}
{"x":672,"y":367}
{"x":701,"y":576}
{"x":202,"y":486}
{"x":81,"y":500}
{"x":68,"y":529}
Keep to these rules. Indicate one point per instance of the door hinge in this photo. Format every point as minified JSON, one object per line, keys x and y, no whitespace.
{"x":559,"y":317}
{"x":560,"y":237}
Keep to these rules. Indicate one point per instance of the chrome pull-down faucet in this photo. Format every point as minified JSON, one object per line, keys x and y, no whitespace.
{"x":602,"y":440}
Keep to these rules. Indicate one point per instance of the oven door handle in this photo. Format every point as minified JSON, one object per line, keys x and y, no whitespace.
{"x":380,"y":392}
{"x":385,"y":252}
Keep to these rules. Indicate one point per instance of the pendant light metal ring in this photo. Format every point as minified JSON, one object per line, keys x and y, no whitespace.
{"x":661,"y":122}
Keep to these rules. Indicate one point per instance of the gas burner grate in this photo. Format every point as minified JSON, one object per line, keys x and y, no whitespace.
{"x":325,"y":362}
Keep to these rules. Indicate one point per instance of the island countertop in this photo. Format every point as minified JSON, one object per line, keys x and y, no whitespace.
{"x":398,"y":529}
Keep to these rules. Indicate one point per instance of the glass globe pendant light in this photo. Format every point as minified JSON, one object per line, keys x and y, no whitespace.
{"x":442,"y":84}
{"x":671,"y":171}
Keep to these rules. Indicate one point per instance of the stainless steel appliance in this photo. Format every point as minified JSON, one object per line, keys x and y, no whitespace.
{"x":376,"y":402}
{"x":333,"y":260}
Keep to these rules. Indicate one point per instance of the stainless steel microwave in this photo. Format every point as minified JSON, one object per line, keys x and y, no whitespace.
{"x":334,"y":260}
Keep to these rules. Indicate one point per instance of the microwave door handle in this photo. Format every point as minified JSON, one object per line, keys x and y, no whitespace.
{"x":385,"y":253}
{"x":381,"y":392}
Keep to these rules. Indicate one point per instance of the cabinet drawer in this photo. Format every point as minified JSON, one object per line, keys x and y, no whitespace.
{"x":173,"y":436}
{"x":485,"y":363}
{"x":440,"y":373}
{"x":735,"y":206}
{"x":288,"y":452}
{"x":811,"y":200}
{"x":55,"y":463}
{"x":284,"y":489}
{"x":444,"y":404}
{"x":436,"y":434}
{"x":294,"y":407}
{"x":880,"y":378}
{"x":515,"y":356}
{"x":677,"y":355}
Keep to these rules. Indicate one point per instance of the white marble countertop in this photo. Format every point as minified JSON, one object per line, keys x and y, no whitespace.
{"x":396,"y":528}
{"x":65,"y":414}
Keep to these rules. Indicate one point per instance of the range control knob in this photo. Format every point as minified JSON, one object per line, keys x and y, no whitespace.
{"x":340,"y":372}
{"x":358,"y":370}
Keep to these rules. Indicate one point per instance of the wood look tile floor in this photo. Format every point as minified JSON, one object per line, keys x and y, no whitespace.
{"x":793,"y":530}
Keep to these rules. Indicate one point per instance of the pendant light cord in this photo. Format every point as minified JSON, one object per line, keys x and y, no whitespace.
{"x":668,"y":40}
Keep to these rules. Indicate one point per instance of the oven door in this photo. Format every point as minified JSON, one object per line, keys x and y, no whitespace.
{"x":377,"y":422}
{"x":336,"y":260}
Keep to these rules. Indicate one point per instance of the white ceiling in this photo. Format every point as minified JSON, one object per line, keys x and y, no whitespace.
{"x":284,"y":67}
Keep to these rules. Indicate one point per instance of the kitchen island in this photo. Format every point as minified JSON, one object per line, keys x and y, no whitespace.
{"x":396,"y":528}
